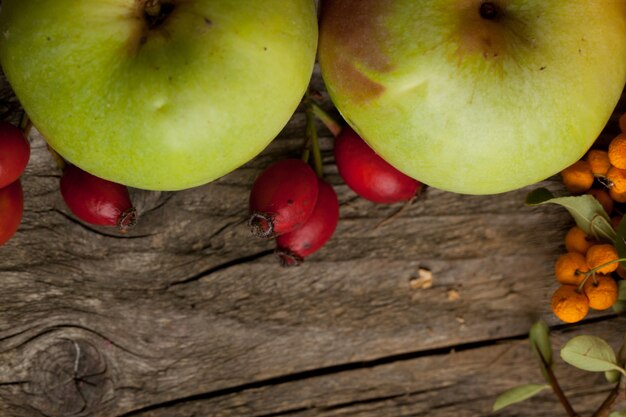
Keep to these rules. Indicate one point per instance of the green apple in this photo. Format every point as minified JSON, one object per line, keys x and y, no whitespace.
{"x":158,"y":94}
{"x":475,"y":96}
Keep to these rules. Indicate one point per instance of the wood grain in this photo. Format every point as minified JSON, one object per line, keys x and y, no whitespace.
{"x":190,"y":315}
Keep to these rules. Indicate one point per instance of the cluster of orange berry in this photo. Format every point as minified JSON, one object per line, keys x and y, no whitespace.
{"x":588,"y":271}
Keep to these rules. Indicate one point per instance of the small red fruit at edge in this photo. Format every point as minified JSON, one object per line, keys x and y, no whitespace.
{"x":369,"y":175}
{"x":14,"y":153}
{"x":282,"y":198}
{"x":11,"y":210}
{"x":97,"y":201}
{"x":293,"y":247}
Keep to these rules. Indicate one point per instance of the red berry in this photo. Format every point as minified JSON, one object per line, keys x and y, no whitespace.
{"x":369,"y":175}
{"x":11,"y":210}
{"x":293,"y":247}
{"x":282,"y":198}
{"x":14,"y":153}
{"x":96,"y":200}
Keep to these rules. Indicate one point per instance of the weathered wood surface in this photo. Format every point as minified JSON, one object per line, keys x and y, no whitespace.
{"x":188,"y":315}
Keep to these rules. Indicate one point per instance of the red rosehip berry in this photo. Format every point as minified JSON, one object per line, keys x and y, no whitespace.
{"x":97,"y":201}
{"x":14,"y":153}
{"x":369,"y":175}
{"x":11,"y":210}
{"x":293,"y":247}
{"x":282,"y":198}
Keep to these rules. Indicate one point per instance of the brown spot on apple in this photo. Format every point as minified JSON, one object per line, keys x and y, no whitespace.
{"x":352,"y":39}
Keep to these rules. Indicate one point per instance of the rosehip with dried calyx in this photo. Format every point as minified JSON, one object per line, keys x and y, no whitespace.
{"x":97,"y":201}
{"x":369,"y":175}
{"x":11,"y":210}
{"x":14,"y":153}
{"x":282,"y":198}
{"x":293,"y":247}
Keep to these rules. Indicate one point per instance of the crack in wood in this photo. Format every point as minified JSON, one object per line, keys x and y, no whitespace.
{"x":220,"y":267}
{"x":354,"y":366}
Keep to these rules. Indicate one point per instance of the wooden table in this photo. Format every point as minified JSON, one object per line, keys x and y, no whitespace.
{"x":188,"y":315}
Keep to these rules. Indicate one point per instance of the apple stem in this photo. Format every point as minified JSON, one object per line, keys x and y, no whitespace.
{"x":330,"y":123}
{"x":312,"y":142}
{"x":25,"y":124}
{"x":152,"y":7}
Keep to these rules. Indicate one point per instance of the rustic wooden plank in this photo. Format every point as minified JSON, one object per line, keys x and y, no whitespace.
{"x":438,"y":384}
{"x":97,"y":323}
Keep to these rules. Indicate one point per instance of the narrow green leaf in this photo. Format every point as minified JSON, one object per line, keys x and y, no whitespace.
{"x":585,"y":209}
{"x":621,"y":413}
{"x":540,"y":341}
{"x":590,"y":353}
{"x":517,"y":394}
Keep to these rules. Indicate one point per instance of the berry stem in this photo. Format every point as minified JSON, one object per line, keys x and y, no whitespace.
{"x":613,"y":398}
{"x":592,"y":271}
{"x":312,"y":139}
{"x":557,"y":388}
{"x":330,"y":123}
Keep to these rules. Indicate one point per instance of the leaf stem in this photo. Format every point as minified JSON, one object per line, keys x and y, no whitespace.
{"x":609,"y":402}
{"x":312,"y":141}
{"x":330,"y":123}
{"x":557,"y":389}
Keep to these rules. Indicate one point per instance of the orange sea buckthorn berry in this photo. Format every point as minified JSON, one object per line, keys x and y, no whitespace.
{"x":602,"y":254}
{"x":568,"y":304}
{"x":622,"y":122}
{"x":603,"y":198}
{"x":601,"y":293}
{"x":617,"y":151}
{"x":617,"y":180}
{"x":617,"y":197}
{"x":599,"y":162}
{"x":570,"y":268}
{"x":578,"y":177}
{"x":576,"y":240}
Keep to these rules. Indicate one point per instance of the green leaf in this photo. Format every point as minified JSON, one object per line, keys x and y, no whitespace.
{"x":620,"y":304}
{"x":621,"y":413}
{"x":540,"y":341}
{"x":539,"y":337}
{"x":585,"y":209}
{"x":590,"y":353}
{"x":517,"y":394}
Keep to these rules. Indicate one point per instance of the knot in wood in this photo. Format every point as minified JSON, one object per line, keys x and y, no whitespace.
{"x":70,"y":378}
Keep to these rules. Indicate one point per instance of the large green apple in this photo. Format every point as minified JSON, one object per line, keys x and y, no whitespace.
{"x":475,"y":96}
{"x":158,"y":94}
